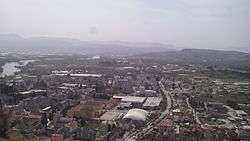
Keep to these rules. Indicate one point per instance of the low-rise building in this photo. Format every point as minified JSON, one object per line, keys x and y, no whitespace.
{"x":135,"y":117}
{"x":136,"y":102}
{"x":111,"y":116}
{"x":152,"y":103}
{"x":31,"y":93}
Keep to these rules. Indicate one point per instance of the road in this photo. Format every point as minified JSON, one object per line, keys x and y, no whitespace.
{"x":194,"y":113}
{"x":133,"y":135}
{"x":168,"y":97}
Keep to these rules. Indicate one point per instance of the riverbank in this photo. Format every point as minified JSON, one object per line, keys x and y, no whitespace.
{"x":11,"y":68}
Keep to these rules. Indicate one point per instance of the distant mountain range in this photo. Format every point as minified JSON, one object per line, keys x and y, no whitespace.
{"x":231,"y":59}
{"x":45,"y":45}
{"x":152,"y":51}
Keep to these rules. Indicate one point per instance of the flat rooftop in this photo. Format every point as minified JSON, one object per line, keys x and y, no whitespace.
{"x":31,"y":91}
{"x":79,"y":75}
{"x":131,"y":98}
{"x":111,"y":115}
{"x":152,"y":102}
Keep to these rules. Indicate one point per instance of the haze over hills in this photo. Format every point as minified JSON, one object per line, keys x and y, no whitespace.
{"x":44,"y":45}
{"x":232,"y":59}
{"x":156,"y":51}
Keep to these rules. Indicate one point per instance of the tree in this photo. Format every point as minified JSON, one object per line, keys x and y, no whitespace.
{"x":41,"y":85}
{"x":100,"y":87}
{"x":6,"y":89}
{"x":81,"y":122}
{"x":51,"y":116}
{"x":44,"y":120}
{"x":86,"y":112}
{"x":4,"y":123}
{"x":64,"y":111}
{"x":233,"y":104}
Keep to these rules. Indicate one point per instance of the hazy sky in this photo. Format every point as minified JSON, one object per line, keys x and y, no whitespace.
{"x":186,"y":23}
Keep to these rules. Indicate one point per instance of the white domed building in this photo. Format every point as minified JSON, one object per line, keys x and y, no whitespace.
{"x":136,"y":117}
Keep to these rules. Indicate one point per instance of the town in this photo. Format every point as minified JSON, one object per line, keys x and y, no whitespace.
{"x":100,"y":98}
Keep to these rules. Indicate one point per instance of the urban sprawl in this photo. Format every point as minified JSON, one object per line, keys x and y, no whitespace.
{"x":70,"y":97}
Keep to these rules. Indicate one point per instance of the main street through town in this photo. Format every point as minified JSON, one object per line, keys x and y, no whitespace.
{"x":134,"y":134}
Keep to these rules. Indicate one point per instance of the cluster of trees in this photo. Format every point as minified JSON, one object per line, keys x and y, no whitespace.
{"x":100,"y":87}
{"x":6,"y":89}
{"x":233,"y":104}
{"x":41,"y":85}
{"x":85,"y":114}
{"x":7,"y":92}
{"x":4,"y":123}
{"x":1,"y":69}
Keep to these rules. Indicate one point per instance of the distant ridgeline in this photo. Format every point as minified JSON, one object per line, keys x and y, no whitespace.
{"x":215,"y":58}
{"x":48,"y":45}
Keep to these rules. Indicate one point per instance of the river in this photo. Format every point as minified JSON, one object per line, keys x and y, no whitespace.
{"x":11,"y":68}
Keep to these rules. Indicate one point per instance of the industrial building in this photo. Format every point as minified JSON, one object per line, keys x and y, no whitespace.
{"x":152,"y":103}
